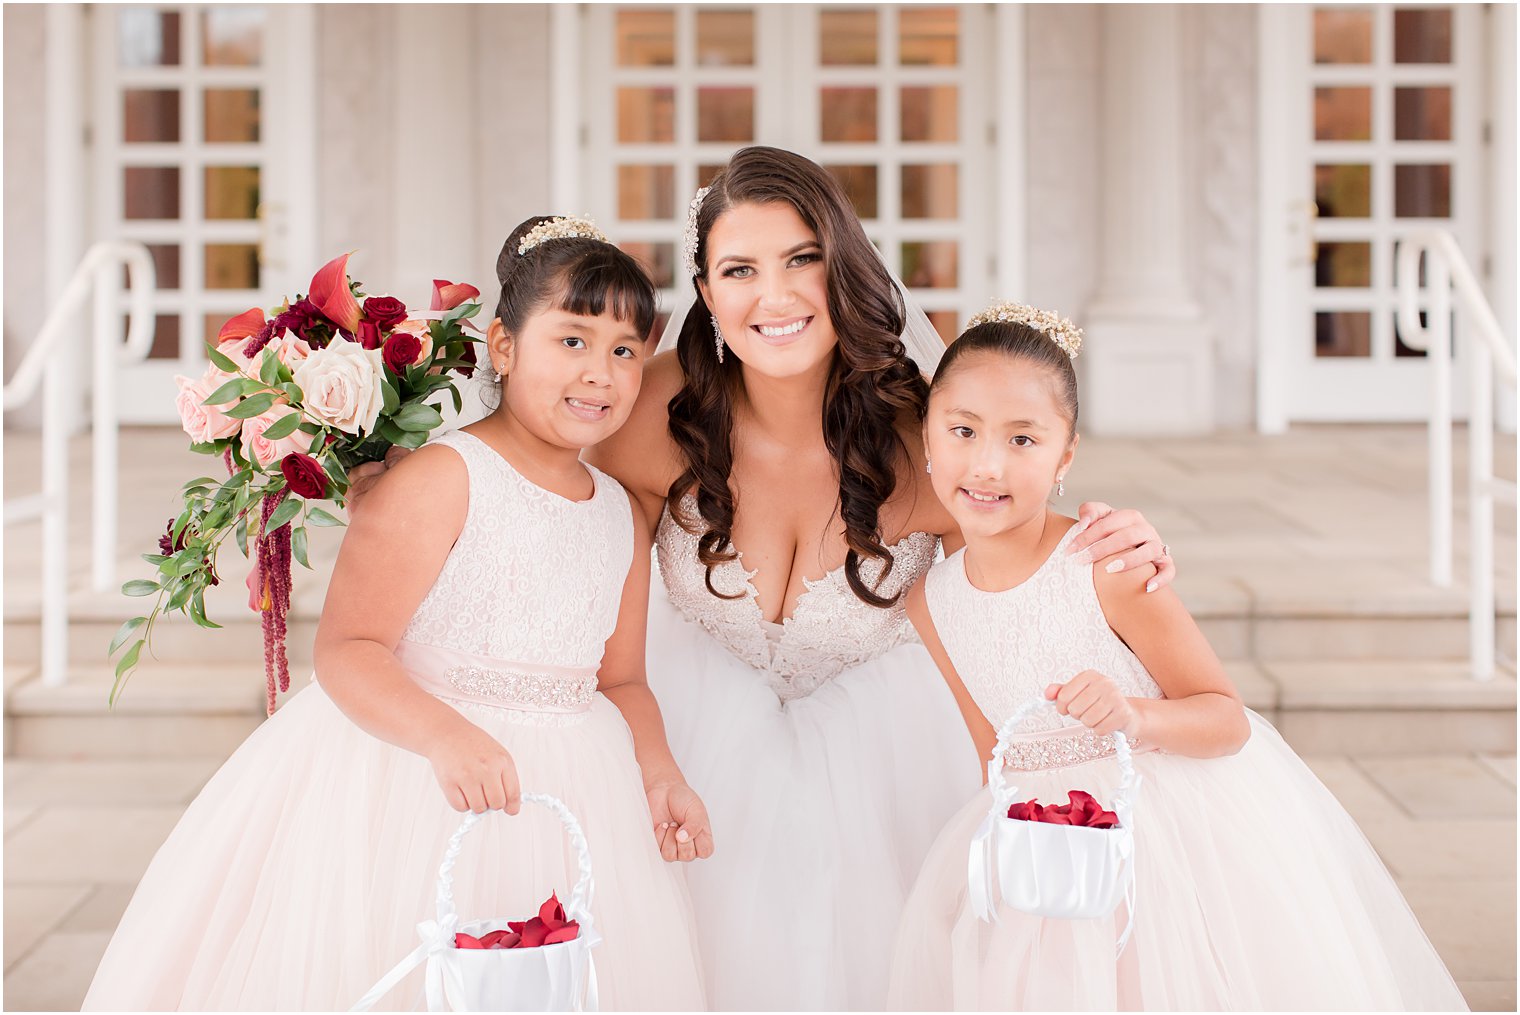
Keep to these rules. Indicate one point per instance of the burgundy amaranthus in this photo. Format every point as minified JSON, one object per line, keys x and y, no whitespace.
{"x":273,"y":580}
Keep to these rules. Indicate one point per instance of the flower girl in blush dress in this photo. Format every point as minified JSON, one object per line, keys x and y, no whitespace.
{"x":485,"y":624}
{"x":1253,"y":887}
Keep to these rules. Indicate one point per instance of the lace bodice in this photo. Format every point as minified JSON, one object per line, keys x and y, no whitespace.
{"x":533,"y":578}
{"x":829,"y":630}
{"x":1009,"y":646}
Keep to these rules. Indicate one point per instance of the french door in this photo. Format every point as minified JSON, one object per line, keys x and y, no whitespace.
{"x":203,"y":151}
{"x":891,"y":100}
{"x":1374,"y":126}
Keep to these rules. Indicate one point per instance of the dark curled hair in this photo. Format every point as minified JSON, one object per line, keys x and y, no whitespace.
{"x":871,"y":384}
{"x":575,"y":274}
{"x":1020,"y":342}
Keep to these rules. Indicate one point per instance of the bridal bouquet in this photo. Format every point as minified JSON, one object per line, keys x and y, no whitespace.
{"x":289,"y":404}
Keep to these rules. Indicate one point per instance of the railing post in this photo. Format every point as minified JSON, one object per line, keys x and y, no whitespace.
{"x":57,"y":383}
{"x":1438,"y":352}
{"x":105,"y":354}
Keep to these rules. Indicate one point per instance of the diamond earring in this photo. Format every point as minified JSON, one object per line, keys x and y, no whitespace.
{"x":1060,"y":486}
{"x":928,"y":466}
{"x":717,"y":338}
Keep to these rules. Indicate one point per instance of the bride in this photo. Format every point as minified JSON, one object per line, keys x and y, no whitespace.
{"x":779,"y":451}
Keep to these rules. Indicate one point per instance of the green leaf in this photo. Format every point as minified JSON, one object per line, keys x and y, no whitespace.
{"x":293,"y":392}
{"x":124,"y":633}
{"x":269,"y":368}
{"x":316,"y":516}
{"x":389,"y":398}
{"x":154,"y":558}
{"x":241,"y":535}
{"x":232,"y":391}
{"x":221,"y":361}
{"x":288,"y":509}
{"x":252,"y":406}
{"x":139,"y":587}
{"x":179,"y":525}
{"x":207,"y":448}
{"x":180,"y":596}
{"x":458,"y":400}
{"x":336,"y":470}
{"x":130,"y":659}
{"x":283,"y":427}
{"x":416,"y":417}
{"x":198,"y":611}
{"x":391,"y":432}
{"x":413,"y":439}
{"x":298,"y":546}
{"x":190,"y":564}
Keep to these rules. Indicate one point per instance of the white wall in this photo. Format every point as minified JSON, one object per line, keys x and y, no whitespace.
{"x":25,"y":232}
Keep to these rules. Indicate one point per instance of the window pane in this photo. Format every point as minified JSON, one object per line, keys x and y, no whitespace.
{"x":646,"y":192}
{"x":931,"y":264}
{"x":1340,"y":265}
{"x":847,"y":38}
{"x":1342,"y":36}
{"x":930,"y":114}
{"x":1422,"y":114}
{"x":232,"y":36}
{"x":1422,"y":191}
{"x":1343,"y":191}
{"x":232,"y":192}
{"x":165,"y":258}
{"x":930,"y":191}
{"x":147,"y":38}
{"x":165,"y":336}
{"x":705,"y":173}
{"x":1342,"y":333}
{"x":848,"y":114}
{"x":232,"y":115}
{"x":150,"y":115}
{"x":1342,"y":114}
{"x":646,"y":38}
{"x":646,"y":114}
{"x":725,"y":38}
{"x":725,"y":114}
{"x":232,"y":266}
{"x":859,"y":184}
{"x":659,"y":259}
{"x":150,"y":192}
{"x":928,"y":36}
{"x":944,"y":322}
{"x":1422,"y":36}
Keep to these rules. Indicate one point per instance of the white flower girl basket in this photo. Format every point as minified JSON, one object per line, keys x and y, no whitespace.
{"x":1063,"y":871}
{"x":551,"y":977}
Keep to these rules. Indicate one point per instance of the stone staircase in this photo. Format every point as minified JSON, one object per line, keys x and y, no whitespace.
{"x":1329,"y":633}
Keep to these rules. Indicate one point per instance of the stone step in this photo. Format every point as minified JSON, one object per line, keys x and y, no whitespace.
{"x":1367,"y":707}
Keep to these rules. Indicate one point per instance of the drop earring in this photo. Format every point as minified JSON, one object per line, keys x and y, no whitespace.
{"x":928,"y":466}
{"x":717,"y":338}
{"x":1060,"y":486}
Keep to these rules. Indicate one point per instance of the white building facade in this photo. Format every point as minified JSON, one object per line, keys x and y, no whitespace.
{"x":1215,"y":192}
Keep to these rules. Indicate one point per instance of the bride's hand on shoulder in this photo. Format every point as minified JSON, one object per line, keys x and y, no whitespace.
{"x":1121,"y":540}
{"x":362,"y":478}
{"x":681,"y":825}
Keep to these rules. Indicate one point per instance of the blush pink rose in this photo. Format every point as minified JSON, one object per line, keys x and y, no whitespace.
{"x":258,"y":448}
{"x":204,"y":422}
{"x":289,"y":349}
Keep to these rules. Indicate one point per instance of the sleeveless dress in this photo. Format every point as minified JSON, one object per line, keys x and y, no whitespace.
{"x":1254,"y":889}
{"x":828,"y":752}
{"x":297,"y":877}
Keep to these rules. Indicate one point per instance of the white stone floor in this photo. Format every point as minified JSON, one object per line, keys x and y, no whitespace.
{"x":1320,"y":515}
{"x":78,"y":835}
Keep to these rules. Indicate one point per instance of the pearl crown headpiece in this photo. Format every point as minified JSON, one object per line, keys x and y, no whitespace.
{"x":563,"y":227}
{"x":1062,"y":332}
{"x":689,"y":237}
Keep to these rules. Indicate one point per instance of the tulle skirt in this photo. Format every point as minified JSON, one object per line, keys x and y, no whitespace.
{"x":298,"y":876}
{"x":823,"y":810}
{"x":1254,"y":890}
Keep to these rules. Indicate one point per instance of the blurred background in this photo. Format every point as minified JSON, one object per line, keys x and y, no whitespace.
{"x":1217,"y":193}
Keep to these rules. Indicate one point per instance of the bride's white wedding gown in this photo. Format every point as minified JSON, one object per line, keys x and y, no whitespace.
{"x":829,"y":753}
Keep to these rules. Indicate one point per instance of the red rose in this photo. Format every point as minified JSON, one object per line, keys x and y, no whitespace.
{"x":368,"y":335}
{"x":385,"y":311}
{"x":304,"y":475}
{"x":401,"y":351}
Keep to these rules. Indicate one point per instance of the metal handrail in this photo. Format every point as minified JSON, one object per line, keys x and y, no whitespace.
{"x":1447,"y":272}
{"x":51,"y":364}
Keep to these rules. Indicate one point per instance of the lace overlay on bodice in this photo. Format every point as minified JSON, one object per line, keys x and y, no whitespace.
{"x":1009,"y":646}
{"x":829,"y":630}
{"x":534,"y":578}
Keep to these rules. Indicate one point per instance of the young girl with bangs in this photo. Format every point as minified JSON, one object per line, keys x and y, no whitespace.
{"x":483,"y":633}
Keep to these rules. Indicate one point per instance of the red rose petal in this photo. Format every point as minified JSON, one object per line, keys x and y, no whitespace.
{"x":533,"y":933}
{"x":569,"y":932}
{"x":552,"y":913}
{"x":467,"y":941}
{"x":494,"y":939}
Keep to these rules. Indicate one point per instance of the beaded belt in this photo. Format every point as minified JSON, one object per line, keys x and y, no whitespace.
{"x":482,"y":680}
{"x":1060,"y":749}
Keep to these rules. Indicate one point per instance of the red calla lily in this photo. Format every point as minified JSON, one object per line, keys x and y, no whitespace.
{"x":331,"y":295}
{"x":249,"y":322}
{"x":448,"y":295}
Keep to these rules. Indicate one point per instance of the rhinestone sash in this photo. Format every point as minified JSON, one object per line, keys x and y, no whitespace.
{"x":481,"y":680}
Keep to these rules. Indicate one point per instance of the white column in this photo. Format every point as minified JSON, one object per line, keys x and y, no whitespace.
{"x":1148,"y":359}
